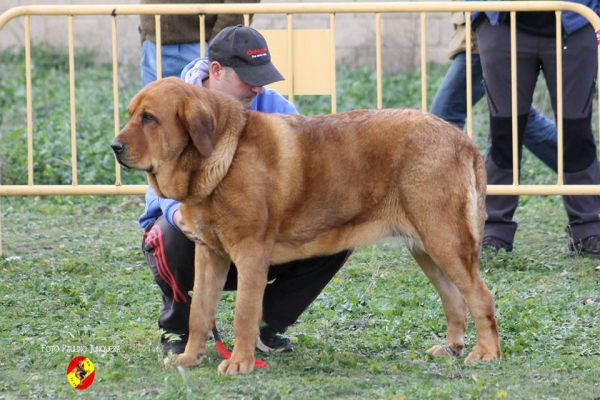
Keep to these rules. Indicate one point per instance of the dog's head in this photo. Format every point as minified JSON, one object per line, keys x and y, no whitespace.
{"x":172,"y":127}
{"x":163,"y":117}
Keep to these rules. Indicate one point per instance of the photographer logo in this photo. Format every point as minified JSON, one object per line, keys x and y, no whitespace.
{"x":81,"y":372}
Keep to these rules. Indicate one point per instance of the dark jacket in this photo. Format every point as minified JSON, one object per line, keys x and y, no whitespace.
{"x":186,"y":28}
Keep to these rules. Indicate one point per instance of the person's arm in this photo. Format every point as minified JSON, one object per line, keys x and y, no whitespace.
{"x":169,"y":207}
{"x":195,"y":72}
{"x":156,"y":206}
{"x":225,"y":20}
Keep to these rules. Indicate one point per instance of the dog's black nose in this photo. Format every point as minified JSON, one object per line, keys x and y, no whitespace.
{"x":117,"y":146}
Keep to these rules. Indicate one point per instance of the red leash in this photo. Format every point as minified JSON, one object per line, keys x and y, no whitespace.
{"x":223,"y":350}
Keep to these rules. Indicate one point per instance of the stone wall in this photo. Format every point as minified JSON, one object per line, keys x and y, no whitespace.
{"x":355,"y":33}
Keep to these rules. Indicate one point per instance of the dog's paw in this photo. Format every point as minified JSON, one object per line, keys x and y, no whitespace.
{"x":185,"y":360}
{"x":229,"y":367}
{"x":438,"y":351}
{"x":480,"y":354}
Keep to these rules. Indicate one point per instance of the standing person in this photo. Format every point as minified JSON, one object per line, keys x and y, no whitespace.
{"x":168,"y":245}
{"x":536,"y":50}
{"x":450,"y":101}
{"x":180,"y":36}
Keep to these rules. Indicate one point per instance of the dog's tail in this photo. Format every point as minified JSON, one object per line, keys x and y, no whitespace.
{"x":476,"y":194}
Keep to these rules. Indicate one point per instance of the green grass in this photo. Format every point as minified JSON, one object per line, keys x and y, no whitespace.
{"x":72,"y":274}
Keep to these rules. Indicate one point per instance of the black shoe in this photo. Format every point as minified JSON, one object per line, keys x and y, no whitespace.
{"x":495,"y":244}
{"x":173,"y":343}
{"x":590,"y":246}
{"x":269,"y":341}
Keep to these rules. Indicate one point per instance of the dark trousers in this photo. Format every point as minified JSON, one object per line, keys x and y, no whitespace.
{"x":535,"y":53}
{"x":293,"y":286}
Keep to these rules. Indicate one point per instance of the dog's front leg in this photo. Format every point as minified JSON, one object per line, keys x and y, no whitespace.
{"x":209,"y":279}
{"x":252,"y":262}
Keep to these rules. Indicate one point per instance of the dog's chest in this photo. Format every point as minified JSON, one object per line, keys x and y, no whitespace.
{"x":208,"y":236}
{"x":201,"y":227}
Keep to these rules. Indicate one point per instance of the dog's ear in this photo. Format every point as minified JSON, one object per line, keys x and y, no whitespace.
{"x":199,"y":120}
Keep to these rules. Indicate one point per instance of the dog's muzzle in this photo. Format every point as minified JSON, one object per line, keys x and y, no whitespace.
{"x":119,"y":149}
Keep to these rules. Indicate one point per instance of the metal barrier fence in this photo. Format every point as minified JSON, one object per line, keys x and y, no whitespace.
{"x":292,"y":70}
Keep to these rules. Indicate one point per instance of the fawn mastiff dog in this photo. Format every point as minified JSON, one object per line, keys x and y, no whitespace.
{"x":261,"y":189}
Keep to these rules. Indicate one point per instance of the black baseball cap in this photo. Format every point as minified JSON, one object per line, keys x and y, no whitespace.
{"x":244,"y":50}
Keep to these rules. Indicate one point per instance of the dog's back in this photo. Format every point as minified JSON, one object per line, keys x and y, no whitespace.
{"x":353,"y":178}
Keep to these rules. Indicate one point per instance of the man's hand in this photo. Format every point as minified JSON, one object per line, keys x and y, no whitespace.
{"x":178,"y":220}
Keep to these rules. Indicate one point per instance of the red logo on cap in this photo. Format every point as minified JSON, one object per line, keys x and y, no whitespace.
{"x":254,"y":52}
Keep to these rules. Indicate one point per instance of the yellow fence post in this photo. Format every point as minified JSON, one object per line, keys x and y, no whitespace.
{"x":559,"y":100}
{"x":158,"y":36}
{"x":423,"y":63}
{"x":378,"y":59}
{"x":333,"y":63}
{"x":29,"y":103}
{"x":469,"y":76}
{"x":72,"y":100}
{"x":202,"y":19}
{"x":115,"y":65}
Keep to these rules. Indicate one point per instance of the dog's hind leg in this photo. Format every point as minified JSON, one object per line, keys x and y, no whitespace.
{"x":454,"y":305}
{"x":481,"y":306}
{"x":210,"y":274}
{"x":463,"y":271}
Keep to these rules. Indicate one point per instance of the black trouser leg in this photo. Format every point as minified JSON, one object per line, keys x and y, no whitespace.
{"x":297,"y":284}
{"x":294,"y":286}
{"x":499,"y":167}
{"x":170,"y":257}
{"x":581,"y":168}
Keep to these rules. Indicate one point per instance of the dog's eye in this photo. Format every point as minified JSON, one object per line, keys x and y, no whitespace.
{"x":147,"y":118}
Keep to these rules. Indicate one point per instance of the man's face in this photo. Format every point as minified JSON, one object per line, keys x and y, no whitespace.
{"x":231,"y":84}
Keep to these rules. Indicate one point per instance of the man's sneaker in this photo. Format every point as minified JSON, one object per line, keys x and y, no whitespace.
{"x":269,"y":341}
{"x":495,"y":244}
{"x":173,"y":343}
{"x":589,"y":246}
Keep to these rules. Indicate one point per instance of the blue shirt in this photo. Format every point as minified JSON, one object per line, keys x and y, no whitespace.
{"x":269,"y":101}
